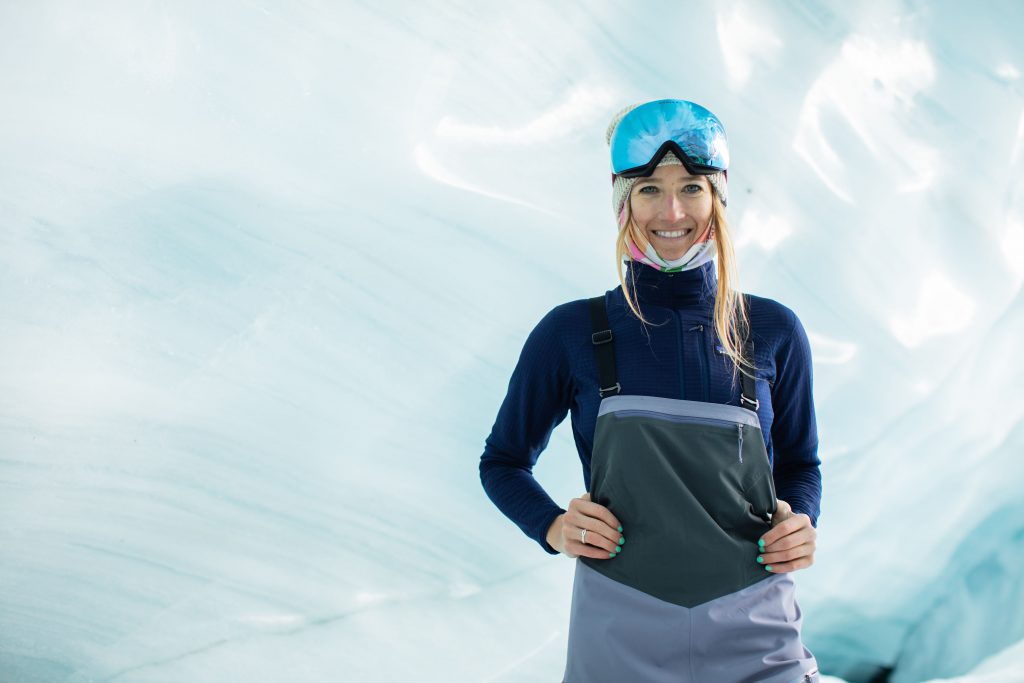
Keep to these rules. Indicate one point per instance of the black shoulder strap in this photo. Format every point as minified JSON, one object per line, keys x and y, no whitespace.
{"x":603,"y":348}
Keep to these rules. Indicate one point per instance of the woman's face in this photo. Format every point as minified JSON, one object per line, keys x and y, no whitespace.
{"x":671,"y":200}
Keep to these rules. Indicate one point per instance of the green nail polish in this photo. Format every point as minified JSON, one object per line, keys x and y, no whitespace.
{"x":760,"y":559}
{"x":611,"y":554}
{"x":620,"y":529}
{"x":760,"y":542}
{"x":768,"y":568}
{"x":621,"y":540}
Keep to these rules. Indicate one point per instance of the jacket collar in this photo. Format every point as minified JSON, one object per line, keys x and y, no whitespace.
{"x":694,"y":288}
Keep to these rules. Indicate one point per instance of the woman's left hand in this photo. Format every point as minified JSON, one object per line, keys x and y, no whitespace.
{"x":789,"y":544}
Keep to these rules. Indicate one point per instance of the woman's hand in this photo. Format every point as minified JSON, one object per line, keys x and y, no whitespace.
{"x":789,"y":544}
{"x":603,"y":530}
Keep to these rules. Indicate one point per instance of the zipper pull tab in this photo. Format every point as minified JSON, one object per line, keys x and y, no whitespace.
{"x":740,"y":428}
{"x":698,"y":327}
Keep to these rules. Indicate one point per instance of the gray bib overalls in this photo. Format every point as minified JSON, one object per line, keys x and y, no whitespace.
{"x":685,"y":601}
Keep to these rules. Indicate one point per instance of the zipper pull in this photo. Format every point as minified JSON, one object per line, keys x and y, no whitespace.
{"x":740,"y":428}
{"x":699,"y":328}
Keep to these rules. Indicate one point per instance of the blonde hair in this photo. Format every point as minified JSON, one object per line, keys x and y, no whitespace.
{"x":730,"y":308}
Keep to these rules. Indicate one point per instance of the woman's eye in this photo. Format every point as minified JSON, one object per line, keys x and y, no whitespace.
{"x":696,"y":189}
{"x":687,"y":189}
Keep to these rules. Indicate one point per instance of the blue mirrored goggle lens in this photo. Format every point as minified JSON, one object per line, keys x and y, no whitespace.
{"x":679,"y":125}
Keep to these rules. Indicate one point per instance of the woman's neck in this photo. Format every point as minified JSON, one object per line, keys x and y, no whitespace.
{"x":695,"y":287}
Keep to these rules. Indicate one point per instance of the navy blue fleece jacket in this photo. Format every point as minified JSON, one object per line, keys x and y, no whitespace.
{"x":677,"y":356}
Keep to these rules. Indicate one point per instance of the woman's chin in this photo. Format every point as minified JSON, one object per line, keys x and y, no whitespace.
{"x":673,"y":253}
{"x":671,"y":247}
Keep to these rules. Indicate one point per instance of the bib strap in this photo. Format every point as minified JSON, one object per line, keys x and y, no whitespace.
{"x":603,"y":348}
{"x":748,"y":397}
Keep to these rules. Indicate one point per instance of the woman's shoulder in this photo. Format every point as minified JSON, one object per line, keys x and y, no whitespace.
{"x":771,"y":320}
{"x":567,"y":318}
{"x":566,"y":325}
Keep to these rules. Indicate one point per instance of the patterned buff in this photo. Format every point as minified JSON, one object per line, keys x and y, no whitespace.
{"x":702,"y":250}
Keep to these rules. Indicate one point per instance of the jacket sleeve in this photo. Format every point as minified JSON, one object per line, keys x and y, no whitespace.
{"x":796,"y":468}
{"x":538,"y":399}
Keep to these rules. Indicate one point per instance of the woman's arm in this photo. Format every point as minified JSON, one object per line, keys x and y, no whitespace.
{"x":538,"y":399}
{"x":794,"y":428}
{"x":791,"y":542}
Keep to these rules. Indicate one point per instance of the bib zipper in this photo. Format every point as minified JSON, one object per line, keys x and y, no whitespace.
{"x":740,"y":428}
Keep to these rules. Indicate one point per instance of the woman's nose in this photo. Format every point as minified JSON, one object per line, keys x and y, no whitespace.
{"x":674,"y":209}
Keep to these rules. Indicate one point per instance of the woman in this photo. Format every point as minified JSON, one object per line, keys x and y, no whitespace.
{"x":693,"y":416}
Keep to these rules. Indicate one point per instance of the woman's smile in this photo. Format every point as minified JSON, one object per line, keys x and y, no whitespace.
{"x":672,"y":235}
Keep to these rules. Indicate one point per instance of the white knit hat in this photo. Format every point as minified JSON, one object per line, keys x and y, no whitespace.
{"x":621,"y":187}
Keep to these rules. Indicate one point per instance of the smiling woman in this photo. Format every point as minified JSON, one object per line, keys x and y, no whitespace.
{"x":713,"y":481}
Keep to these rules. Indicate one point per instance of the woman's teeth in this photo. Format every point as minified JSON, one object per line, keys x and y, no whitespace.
{"x":677,"y":233}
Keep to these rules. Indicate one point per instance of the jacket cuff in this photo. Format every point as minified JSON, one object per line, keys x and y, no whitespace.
{"x":542,"y":538}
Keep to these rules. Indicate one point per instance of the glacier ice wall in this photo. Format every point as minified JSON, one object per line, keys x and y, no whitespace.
{"x":267,"y":268}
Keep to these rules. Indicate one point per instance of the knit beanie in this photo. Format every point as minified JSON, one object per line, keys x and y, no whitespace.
{"x":621,"y":187}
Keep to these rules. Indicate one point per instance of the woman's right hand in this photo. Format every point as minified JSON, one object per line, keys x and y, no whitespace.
{"x":603,"y":537}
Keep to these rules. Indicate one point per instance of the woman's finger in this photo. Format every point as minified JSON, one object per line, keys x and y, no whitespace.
{"x":775,"y":557}
{"x":805,"y":534}
{"x":782,"y":536}
{"x":608,"y":523}
{"x":801,"y":562}
{"x":785,"y":567}
{"x":598,"y":533}
{"x":597,"y":546}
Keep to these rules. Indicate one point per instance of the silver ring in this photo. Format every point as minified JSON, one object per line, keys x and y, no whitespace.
{"x":583,"y":535}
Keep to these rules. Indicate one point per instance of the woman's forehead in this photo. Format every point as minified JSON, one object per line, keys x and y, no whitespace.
{"x":672,"y":173}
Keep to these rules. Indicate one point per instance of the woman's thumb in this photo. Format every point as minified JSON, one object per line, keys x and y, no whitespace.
{"x":586,"y":496}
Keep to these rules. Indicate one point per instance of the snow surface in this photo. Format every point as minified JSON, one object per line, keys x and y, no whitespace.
{"x":267,"y":267}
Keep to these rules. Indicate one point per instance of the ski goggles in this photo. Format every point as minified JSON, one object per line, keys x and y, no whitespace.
{"x":646,"y":133}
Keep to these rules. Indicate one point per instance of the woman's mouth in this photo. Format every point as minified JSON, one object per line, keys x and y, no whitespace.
{"x":674,"y":234}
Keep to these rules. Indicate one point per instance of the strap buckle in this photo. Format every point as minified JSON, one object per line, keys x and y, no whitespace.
{"x":602,"y":337}
{"x":754,"y":402}
{"x":617,"y":387}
